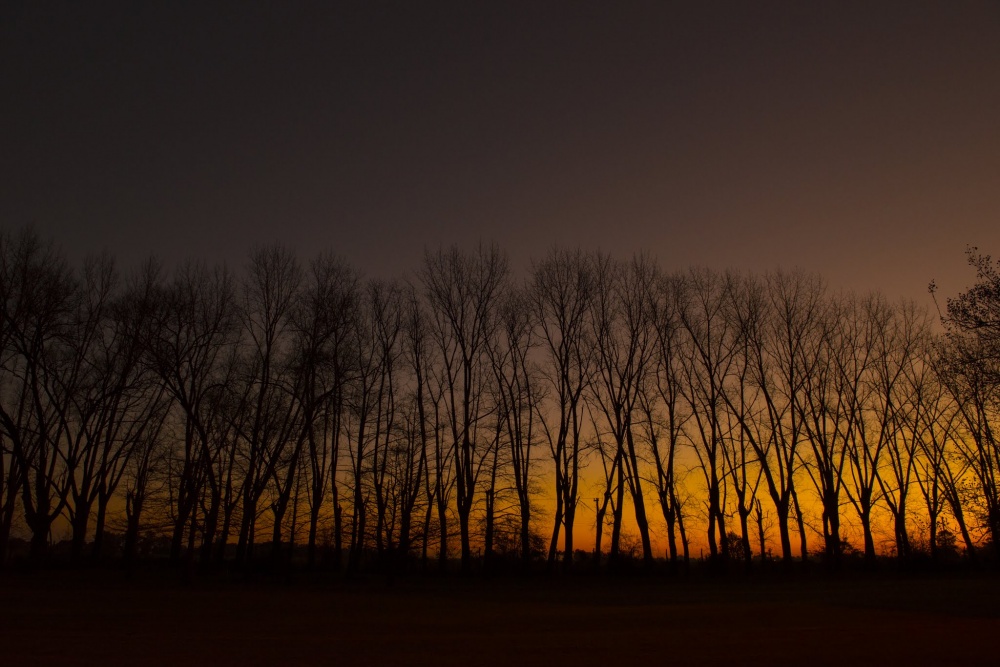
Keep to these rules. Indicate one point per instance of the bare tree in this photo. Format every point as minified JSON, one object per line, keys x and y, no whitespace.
{"x":781,"y":328}
{"x":413,"y":470}
{"x":269,"y":417}
{"x":904,"y":383}
{"x":661,"y":403}
{"x":386,"y":300}
{"x":624,"y":337}
{"x":519,"y":396}
{"x":85,"y":408}
{"x":192,"y":336}
{"x":441,"y":485}
{"x":704,"y":299}
{"x":827,"y":415}
{"x":934,"y":430}
{"x":977,"y":452}
{"x":10,"y":467}
{"x":562,"y":292}
{"x":870,"y":424}
{"x":322,"y":322}
{"x":40,"y":374}
{"x":121,"y":406}
{"x":970,"y":366}
{"x":462,"y":290}
{"x":364,"y":408}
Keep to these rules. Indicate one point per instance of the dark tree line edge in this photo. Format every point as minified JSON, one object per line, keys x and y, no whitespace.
{"x":297,"y":408}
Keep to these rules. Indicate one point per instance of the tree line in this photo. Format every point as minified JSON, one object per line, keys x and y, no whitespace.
{"x":473,"y":413}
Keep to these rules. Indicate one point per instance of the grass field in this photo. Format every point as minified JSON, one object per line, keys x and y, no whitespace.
{"x":103,"y":618}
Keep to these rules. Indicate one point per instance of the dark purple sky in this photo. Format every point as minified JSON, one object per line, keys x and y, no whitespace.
{"x":860,"y":140}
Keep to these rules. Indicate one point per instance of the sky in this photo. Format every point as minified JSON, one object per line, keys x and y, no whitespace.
{"x":859,"y":140}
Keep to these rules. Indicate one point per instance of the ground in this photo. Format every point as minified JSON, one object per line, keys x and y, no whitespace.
{"x":105,"y":618}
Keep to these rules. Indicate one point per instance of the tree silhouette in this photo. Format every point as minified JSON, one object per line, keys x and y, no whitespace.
{"x":462,"y":290}
{"x":562,"y":291}
{"x":206,"y":408}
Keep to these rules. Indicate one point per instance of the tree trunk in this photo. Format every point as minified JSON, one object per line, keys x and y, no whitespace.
{"x":745,"y":538}
{"x":782,"y":509}
{"x":442,"y":535}
{"x":97,"y":550}
{"x":570,"y":514}
{"x":488,"y":536}
{"x":801,"y":525}
{"x":671,"y":519}
{"x":556,"y":525}
{"x":338,"y":532}
{"x":617,"y":508}
{"x":133,"y":514}
{"x":866,"y":527}
{"x":525,"y":535}
{"x":81,"y":521}
{"x":762,"y":538}
{"x":602,"y":511}
{"x":831,"y":517}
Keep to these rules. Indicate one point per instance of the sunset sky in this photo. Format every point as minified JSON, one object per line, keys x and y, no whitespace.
{"x":860,"y":140}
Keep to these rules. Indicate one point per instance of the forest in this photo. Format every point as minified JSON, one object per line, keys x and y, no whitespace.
{"x":589,"y":410}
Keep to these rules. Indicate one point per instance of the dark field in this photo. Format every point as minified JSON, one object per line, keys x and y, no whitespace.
{"x":102,"y":618}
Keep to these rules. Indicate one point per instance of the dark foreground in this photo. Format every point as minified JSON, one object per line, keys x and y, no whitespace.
{"x":104,"y":618}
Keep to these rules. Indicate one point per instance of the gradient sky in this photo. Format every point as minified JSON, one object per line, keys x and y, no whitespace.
{"x":859,"y":140}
